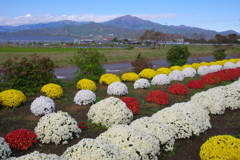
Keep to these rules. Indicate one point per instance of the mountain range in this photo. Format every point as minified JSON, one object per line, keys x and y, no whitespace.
{"x":121,"y":27}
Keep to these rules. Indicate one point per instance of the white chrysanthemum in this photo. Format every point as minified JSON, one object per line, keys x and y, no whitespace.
{"x":5,"y":150}
{"x":57,"y":127}
{"x":134,"y":143}
{"x":85,"y":97}
{"x":117,"y":89}
{"x":160,"y":79}
{"x":38,"y":156}
{"x":237,"y":64}
{"x":203,"y":70}
{"x":215,"y":68}
{"x":141,"y":83}
{"x":110,"y":111}
{"x":211,"y":101}
{"x":162,"y":131}
{"x":189,"y":72}
{"x":229,"y":65}
{"x":88,"y":149}
{"x":42,"y":106}
{"x":176,"y":75}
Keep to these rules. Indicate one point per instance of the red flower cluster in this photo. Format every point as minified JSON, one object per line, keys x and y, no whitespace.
{"x":178,"y":89}
{"x":132,"y":104}
{"x":196,"y":84}
{"x":21,"y":139}
{"x":157,"y":96}
{"x":211,"y":78}
{"x":83,"y":125}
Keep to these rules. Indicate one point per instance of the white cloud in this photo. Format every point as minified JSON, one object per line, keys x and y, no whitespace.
{"x":30,"y":19}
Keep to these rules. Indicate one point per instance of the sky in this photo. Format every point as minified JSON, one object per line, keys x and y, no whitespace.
{"x":218,"y":15}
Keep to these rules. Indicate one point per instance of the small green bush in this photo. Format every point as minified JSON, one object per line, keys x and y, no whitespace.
{"x":89,"y":63}
{"x":178,"y":55}
{"x":219,"y":53}
{"x":27,"y":74}
{"x":141,"y":63}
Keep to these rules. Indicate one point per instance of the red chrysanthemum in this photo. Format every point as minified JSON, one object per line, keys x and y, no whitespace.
{"x":211,"y":78}
{"x":82,"y":125}
{"x":178,"y":89}
{"x":157,"y":96}
{"x":132,"y":104}
{"x":196,"y":84}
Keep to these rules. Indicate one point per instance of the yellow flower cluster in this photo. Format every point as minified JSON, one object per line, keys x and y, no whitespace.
{"x":52,"y":90}
{"x":175,"y":68}
{"x":186,"y":66}
{"x":195,"y":66}
{"x":86,"y":84}
{"x":222,"y":147}
{"x":12,"y":98}
{"x":109,"y":78}
{"x":147,"y":73}
{"x":163,"y":71}
{"x":205,"y":64}
{"x":130,"y":77}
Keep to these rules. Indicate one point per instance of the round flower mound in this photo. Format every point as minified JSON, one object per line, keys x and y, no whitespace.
{"x":52,"y":90}
{"x":21,"y":139}
{"x":147,"y":73}
{"x":130,"y":77}
{"x":42,"y":106}
{"x":38,"y":156}
{"x":157,"y":96}
{"x":233,"y":74}
{"x":229,"y":65}
{"x":57,"y":128}
{"x":161,"y":131}
{"x":223,"y":76}
{"x":85,"y":97}
{"x":237,"y":64}
{"x":110,"y":111}
{"x":134,"y":143}
{"x":221,"y":147}
{"x":160,"y":79}
{"x":117,"y":89}
{"x":176,"y":75}
{"x":195,"y":66}
{"x":109,"y":78}
{"x":203,"y":70}
{"x":132,"y":104}
{"x":5,"y":150}
{"x":12,"y":98}
{"x":211,"y":78}
{"x":175,"y":68}
{"x":189,"y":72}
{"x":88,"y":149}
{"x":205,"y":64}
{"x":86,"y":84}
{"x":179,"y":89}
{"x":210,"y":101}
{"x":141,"y":83}
{"x":163,"y":71}
{"x":215,"y":68}
{"x":196,"y":84}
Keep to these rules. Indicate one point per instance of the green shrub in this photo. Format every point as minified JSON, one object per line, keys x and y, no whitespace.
{"x":89,"y":63}
{"x":27,"y":74}
{"x":219,"y":53}
{"x":178,"y":55}
{"x":141,"y":63}
{"x":129,"y":48}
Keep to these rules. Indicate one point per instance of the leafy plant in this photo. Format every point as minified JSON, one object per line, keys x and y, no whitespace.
{"x":178,"y":55}
{"x":141,"y":63}
{"x":89,"y":63}
{"x":219,"y":53}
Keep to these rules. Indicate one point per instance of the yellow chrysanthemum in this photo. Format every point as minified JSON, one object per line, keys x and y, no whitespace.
{"x":175,"y":68}
{"x":52,"y":90}
{"x":195,"y":66}
{"x":86,"y":84}
{"x":130,"y":77}
{"x":204,"y":64}
{"x":12,"y":98}
{"x":222,"y":147}
{"x":186,"y":66}
{"x":163,"y":71}
{"x":219,"y":63}
{"x":233,"y":60}
{"x":147,"y":73}
{"x":109,"y":78}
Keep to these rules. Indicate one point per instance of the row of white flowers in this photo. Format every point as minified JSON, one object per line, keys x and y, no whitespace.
{"x":5,"y":150}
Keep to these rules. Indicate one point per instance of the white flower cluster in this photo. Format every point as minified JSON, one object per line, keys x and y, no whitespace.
{"x":141,"y":83}
{"x":215,"y":68}
{"x":36,"y":155}
{"x":117,"y":89}
{"x":176,"y":75}
{"x":88,"y":149}
{"x":184,"y":119}
{"x":85,"y":97}
{"x":203,"y":70}
{"x":160,"y":79}
{"x":162,"y":131}
{"x":229,"y":65}
{"x":57,"y":127}
{"x":133,"y":143}
{"x":110,"y":111}
{"x":237,"y":64}
{"x":42,"y":106}
{"x":211,"y":101}
{"x":5,"y":150}
{"x":189,"y":72}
